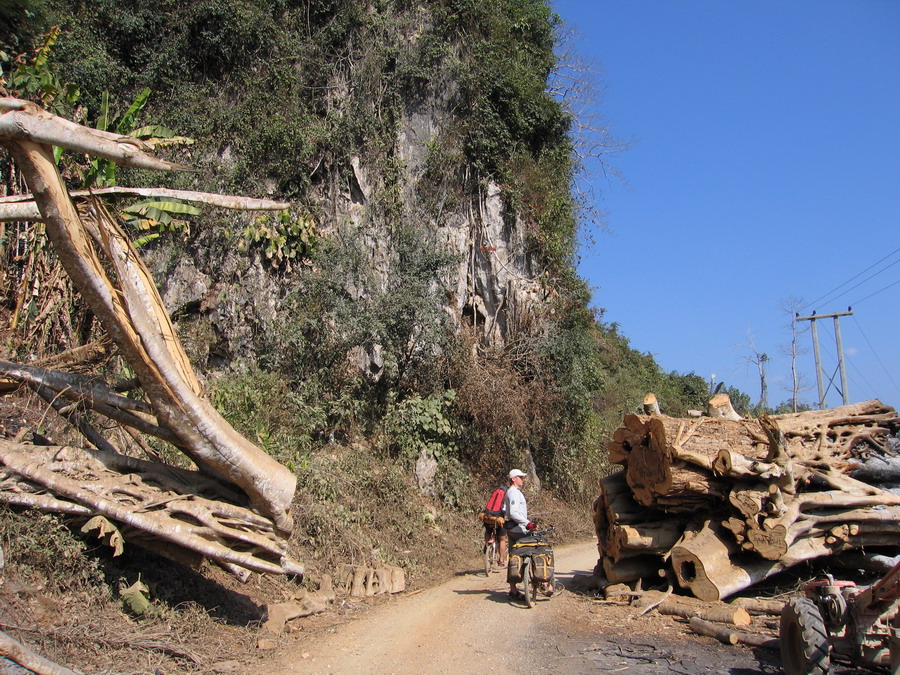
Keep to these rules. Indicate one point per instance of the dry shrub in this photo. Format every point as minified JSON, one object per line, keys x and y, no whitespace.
{"x":501,"y":407}
{"x":495,"y":398}
{"x":42,"y":312}
{"x":355,"y":505}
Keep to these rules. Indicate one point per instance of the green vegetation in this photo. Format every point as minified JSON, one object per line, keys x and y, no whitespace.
{"x":308,"y":108}
{"x":45,"y":551}
{"x":285,"y":237}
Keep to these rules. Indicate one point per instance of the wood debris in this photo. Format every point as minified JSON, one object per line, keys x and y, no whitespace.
{"x":721,"y":503}
{"x":236,"y":507}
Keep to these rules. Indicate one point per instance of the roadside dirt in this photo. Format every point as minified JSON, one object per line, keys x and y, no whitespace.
{"x":468,"y":624}
{"x":465,"y":624}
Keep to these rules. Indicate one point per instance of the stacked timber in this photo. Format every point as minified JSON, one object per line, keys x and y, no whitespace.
{"x":722,"y":503}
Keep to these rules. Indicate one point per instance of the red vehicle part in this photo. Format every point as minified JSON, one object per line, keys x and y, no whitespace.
{"x":839,"y":621}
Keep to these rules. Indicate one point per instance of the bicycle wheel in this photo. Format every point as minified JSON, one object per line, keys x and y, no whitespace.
{"x":488,"y":558}
{"x":528,"y":584}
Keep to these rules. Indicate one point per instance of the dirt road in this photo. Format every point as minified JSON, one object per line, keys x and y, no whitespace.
{"x":469,"y":625}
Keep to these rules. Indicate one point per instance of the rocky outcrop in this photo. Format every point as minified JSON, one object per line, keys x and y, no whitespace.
{"x":492,"y":287}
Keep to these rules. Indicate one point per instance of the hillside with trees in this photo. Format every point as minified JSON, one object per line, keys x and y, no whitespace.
{"x":408,"y":329}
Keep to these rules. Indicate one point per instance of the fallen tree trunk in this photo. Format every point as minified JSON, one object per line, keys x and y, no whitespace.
{"x":632,"y":434}
{"x":758,"y":640}
{"x":708,"y":564}
{"x":729,"y":636}
{"x":760,"y":605}
{"x":699,"y":441}
{"x":776,"y":535}
{"x":723,"y":634}
{"x":129,"y":306}
{"x":876,"y":469}
{"x":656,"y":538}
{"x":733,"y":464}
{"x":773,"y":492}
{"x":735,"y":616}
{"x":167,"y":507}
{"x":631,"y":569}
{"x":83,"y":358}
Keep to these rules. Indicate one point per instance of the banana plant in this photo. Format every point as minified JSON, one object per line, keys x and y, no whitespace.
{"x":151,"y":216}
{"x":102,"y":172}
{"x":154,"y":216}
{"x":31,"y":76}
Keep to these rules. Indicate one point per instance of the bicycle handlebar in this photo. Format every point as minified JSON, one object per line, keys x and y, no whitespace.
{"x":541,"y":533}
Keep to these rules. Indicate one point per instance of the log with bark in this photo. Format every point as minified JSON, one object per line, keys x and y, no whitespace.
{"x":730,"y":636}
{"x":683,"y":607}
{"x":35,"y":663}
{"x":760,"y":605}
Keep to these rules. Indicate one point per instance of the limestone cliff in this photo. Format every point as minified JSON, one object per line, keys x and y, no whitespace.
{"x":364,"y":191}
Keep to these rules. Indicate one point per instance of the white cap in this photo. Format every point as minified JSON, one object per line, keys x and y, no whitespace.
{"x":515,"y":472}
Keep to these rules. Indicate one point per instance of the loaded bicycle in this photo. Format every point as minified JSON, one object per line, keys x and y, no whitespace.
{"x":493,"y":519}
{"x":491,"y":547}
{"x":531,"y":563}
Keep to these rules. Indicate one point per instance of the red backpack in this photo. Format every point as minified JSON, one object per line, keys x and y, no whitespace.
{"x":494,"y":506}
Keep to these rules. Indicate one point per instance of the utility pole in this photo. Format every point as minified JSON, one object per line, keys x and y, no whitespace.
{"x":840,"y":349}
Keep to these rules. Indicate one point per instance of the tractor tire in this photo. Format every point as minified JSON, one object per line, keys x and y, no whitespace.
{"x":804,"y":640}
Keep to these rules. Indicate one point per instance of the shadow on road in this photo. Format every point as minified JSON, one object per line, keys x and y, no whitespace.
{"x":470,"y":573}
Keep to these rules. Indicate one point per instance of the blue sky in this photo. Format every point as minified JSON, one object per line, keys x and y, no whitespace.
{"x":763,"y":165}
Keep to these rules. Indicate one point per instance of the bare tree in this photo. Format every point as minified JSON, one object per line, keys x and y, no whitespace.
{"x":791,"y":306}
{"x":760,"y":360}
{"x":106,"y":268}
{"x":576,"y":83}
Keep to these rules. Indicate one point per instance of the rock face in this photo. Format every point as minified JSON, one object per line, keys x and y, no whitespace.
{"x":493,"y":286}
{"x":494,"y":282}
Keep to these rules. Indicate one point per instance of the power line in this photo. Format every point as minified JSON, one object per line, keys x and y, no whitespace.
{"x":871,"y":276}
{"x":858,"y":373}
{"x":877,"y":358}
{"x":837,"y":288}
{"x":877,"y":292}
{"x":862,"y":377}
{"x":837,"y":338}
{"x":853,"y":366}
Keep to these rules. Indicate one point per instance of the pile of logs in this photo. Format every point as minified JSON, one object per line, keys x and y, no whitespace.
{"x":721,"y":503}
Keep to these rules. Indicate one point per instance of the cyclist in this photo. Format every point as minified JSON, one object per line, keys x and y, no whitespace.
{"x":517,"y":523}
{"x":494,"y":516}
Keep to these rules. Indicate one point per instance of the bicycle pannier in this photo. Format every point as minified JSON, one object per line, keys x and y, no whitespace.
{"x":542,"y":564}
{"x":514,"y":569}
